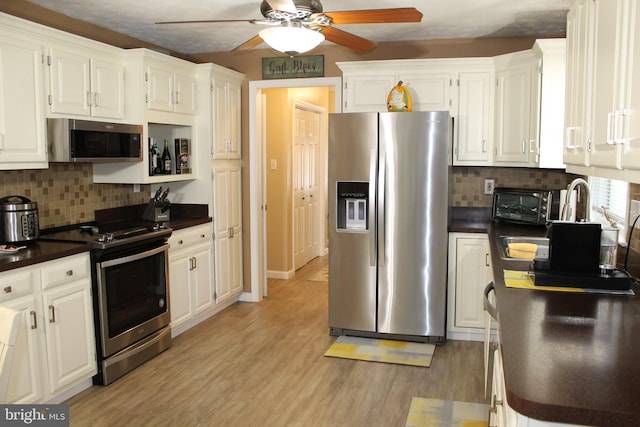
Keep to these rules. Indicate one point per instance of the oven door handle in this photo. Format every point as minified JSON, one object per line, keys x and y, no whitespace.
{"x":134,"y":257}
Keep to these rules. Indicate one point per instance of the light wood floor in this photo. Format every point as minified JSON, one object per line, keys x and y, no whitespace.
{"x":261,"y":364}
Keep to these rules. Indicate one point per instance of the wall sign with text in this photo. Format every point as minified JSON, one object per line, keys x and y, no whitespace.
{"x":285,"y":67}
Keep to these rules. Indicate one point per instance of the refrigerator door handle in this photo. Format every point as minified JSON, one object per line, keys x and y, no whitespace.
{"x":371,"y":214}
{"x":382,"y":220}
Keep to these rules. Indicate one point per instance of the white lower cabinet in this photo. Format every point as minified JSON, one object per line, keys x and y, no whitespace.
{"x":227,"y":207}
{"x":500,"y":413}
{"x":191,"y":274}
{"x":56,"y":343}
{"x":469,"y":273}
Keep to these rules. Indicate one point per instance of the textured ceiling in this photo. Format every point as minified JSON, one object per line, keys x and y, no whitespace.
{"x":443,"y":19}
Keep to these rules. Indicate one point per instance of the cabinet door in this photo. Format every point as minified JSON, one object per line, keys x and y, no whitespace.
{"x":578,"y":84}
{"x":70,"y":83}
{"x":473,"y":119}
{"x":429,"y":91}
{"x":186,"y":94}
{"x":107,"y":84}
{"x":220,"y":120}
{"x":69,"y":334}
{"x":25,"y":381}
{"x":160,"y":90}
{"x":201,"y":275}
{"x":608,"y":36}
{"x":22,"y":128}
{"x":180,"y":291}
{"x":367,"y":93}
{"x":630,"y":99}
{"x":233,"y":120}
{"x":513,"y":114}
{"x":472,"y":273}
{"x":227,"y":230}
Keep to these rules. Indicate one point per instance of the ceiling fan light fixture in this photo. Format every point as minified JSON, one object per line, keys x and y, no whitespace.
{"x":291,"y":40}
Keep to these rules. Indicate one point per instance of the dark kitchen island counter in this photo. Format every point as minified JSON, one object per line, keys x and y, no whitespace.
{"x":39,"y":251}
{"x":568,"y":357}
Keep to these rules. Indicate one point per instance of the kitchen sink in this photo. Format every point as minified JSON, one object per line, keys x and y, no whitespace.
{"x":504,"y":242}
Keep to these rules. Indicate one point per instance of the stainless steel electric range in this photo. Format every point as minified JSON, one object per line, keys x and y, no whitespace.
{"x":130,"y":291}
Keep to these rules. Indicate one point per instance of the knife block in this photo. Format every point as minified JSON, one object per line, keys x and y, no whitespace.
{"x":157,"y":211}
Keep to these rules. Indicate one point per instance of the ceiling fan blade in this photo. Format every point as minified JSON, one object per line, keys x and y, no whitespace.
{"x":206,"y":21}
{"x":347,"y":39}
{"x":375,"y":16}
{"x":249,"y":44}
{"x":283,"y":5}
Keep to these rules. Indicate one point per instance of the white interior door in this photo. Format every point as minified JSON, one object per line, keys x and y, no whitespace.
{"x":306,"y":143}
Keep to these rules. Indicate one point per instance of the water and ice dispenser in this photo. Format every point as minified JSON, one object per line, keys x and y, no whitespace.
{"x":353,"y":206}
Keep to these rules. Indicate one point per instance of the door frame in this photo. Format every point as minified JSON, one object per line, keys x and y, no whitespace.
{"x":257,"y":197}
{"x":322,"y":149}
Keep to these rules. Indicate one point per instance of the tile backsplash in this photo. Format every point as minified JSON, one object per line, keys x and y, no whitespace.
{"x":468,"y":182}
{"x":66,"y":193}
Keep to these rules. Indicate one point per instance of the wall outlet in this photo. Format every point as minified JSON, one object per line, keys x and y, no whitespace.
{"x":489,"y":185}
{"x":634,"y":211}
{"x":136,"y":188}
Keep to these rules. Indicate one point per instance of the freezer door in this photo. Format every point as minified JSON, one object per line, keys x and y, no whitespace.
{"x":352,"y":273}
{"x":414,"y":170}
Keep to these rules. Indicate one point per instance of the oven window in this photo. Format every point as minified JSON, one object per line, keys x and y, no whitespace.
{"x":136,"y":292}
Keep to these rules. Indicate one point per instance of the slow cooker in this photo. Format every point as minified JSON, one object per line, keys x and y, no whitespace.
{"x":19,"y":219}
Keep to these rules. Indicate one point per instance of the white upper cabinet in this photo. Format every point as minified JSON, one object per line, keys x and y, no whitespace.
{"x":170,"y":91}
{"x":22,"y":125}
{"x":473,"y":125}
{"x":516,"y":119}
{"x":578,"y":98}
{"x":82,"y":85}
{"x":605,"y":56}
{"x":226,"y":143}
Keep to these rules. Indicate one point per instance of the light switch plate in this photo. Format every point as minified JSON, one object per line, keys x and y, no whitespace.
{"x":274,"y":164}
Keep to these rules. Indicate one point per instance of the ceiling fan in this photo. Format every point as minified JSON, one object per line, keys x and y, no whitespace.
{"x":296,"y":26}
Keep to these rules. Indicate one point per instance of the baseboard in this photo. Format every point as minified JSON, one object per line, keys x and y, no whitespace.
{"x":281,"y":275}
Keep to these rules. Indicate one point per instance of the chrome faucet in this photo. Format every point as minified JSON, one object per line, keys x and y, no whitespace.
{"x":566,"y":211}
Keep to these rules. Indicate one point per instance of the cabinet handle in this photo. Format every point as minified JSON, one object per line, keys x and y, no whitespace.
{"x":524,"y":146}
{"x":610,"y":140}
{"x":96,"y":99}
{"x":618,"y":120}
{"x":8,"y":289}
{"x":484,"y":145}
{"x":533,"y":147}
{"x":89,"y":103}
{"x":180,"y":242}
{"x":52,"y":314}
{"x":202,"y":236}
{"x":195,"y":263}
{"x":177,"y":97}
{"x":568,"y":138}
{"x":230,"y":232}
{"x":34,"y":320}
{"x":486,"y":260}
{"x":1,"y":141}
{"x":69,"y":273}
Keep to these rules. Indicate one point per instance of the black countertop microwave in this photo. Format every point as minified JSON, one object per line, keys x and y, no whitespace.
{"x":526,"y":206}
{"x":71,"y":140}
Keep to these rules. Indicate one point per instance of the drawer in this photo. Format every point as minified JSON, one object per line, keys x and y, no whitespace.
{"x":188,"y":237}
{"x":65,"y":270}
{"x":18,"y":283}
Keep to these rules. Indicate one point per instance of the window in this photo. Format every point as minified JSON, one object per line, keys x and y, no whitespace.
{"x":609,"y":197}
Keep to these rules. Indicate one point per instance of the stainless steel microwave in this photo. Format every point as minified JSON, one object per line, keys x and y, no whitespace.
{"x":526,"y":206}
{"x":71,"y":140}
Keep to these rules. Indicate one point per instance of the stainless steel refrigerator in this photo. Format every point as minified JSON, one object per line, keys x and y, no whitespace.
{"x":389,"y":204}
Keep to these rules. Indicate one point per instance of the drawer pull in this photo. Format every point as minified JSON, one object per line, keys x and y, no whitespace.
{"x":52,"y":313}
{"x":202,"y":236}
{"x":8,"y":289}
{"x":180,"y":242}
{"x":34,"y":320}
{"x":69,"y":273}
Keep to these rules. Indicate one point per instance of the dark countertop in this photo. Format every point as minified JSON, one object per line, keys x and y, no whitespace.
{"x":40,"y":251}
{"x":182,"y":216}
{"x":568,"y":357}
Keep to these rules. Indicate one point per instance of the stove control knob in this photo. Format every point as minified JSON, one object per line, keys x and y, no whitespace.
{"x":105,"y":238}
